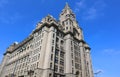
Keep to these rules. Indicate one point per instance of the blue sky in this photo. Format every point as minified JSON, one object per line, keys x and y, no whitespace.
{"x":99,"y":19}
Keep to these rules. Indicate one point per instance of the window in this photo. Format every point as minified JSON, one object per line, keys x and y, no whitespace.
{"x":38,"y":56}
{"x":53,"y":42}
{"x":53,"y":35}
{"x":50,"y":65}
{"x":66,"y":28}
{"x":40,"y":47}
{"x":70,"y":22}
{"x":52,"y":48}
{"x":72,"y":70}
{"x":61,"y":69}
{"x":61,"y":47}
{"x":62,"y":54}
{"x":57,"y":39}
{"x":50,"y":75}
{"x":72,"y":49}
{"x":71,"y":42}
{"x":56,"y":52}
{"x":62,"y":23}
{"x":57,"y":33}
{"x":72,"y":55}
{"x":76,"y":66}
{"x":51,"y":57}
{"x":55,"y":75}
{"x":56,"y":68}
{"x":72,"y":62}
{"x":61,"y":62}
{"x":56,"y":59}
{"x":61,"y":42}
{"x":41,"y":41}
{"x":31,"y":46}
{"x":66,"y":22}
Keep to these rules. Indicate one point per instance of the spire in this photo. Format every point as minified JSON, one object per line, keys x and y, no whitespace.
{"x":67,"y":9}
{"x":67,"y":5}
{"x":67,"y":13}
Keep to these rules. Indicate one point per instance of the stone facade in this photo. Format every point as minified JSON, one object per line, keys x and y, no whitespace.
{"x":53,"y":49}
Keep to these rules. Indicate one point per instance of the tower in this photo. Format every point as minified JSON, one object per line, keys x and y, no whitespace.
{"x":69,"y":22}
{"x":67,"y":18}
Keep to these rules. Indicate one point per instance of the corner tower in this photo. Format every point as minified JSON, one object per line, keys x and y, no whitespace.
{"x":66,"y":18}
{"x":69,"y":23}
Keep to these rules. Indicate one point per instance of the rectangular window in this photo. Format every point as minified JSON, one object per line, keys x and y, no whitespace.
{"x":52,"y":42}
{"x":53,"y":35}
{"x":55,"y":75}
{"x":56,"y":59}
{"x":72,"y":70}
{"x":56,"y":52}
{"x":50,"y":65}
{"x":51,"y":57}
{"x":72,"y":62}
{"x":72,"y":55}
{"x":62,"y":54}
{"x":52,"y":48}
{"x":61,"y":70}
{"x":56,"y":68}
{"x":66,"y":28}
{"x":61,"y":62}
{"x":66,"y":22}
{"x":63,"y":23}
{"x":50,"y":75}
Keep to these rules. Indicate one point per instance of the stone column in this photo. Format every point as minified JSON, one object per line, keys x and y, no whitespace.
{"x":48,"y":51}
{"x":43,"y":47}
{"x":88,"y":57}
{"x":2,"y":67}
{"x":68,"y":59}
{"x":83,"y":70}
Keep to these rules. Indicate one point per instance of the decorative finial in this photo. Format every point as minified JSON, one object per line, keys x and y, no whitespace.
{"x":67,"y":5}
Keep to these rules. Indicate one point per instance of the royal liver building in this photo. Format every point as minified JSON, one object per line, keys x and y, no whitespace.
{"x":55,"y":48}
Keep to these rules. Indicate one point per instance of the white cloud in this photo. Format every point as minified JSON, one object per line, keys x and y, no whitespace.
{"x":111,"y":51}
{"x":89,"y":12}
{"x":3,"y":3}
{"x":10,"y":19}
{"x":79,"y":5}
{"x":5,"y":17}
